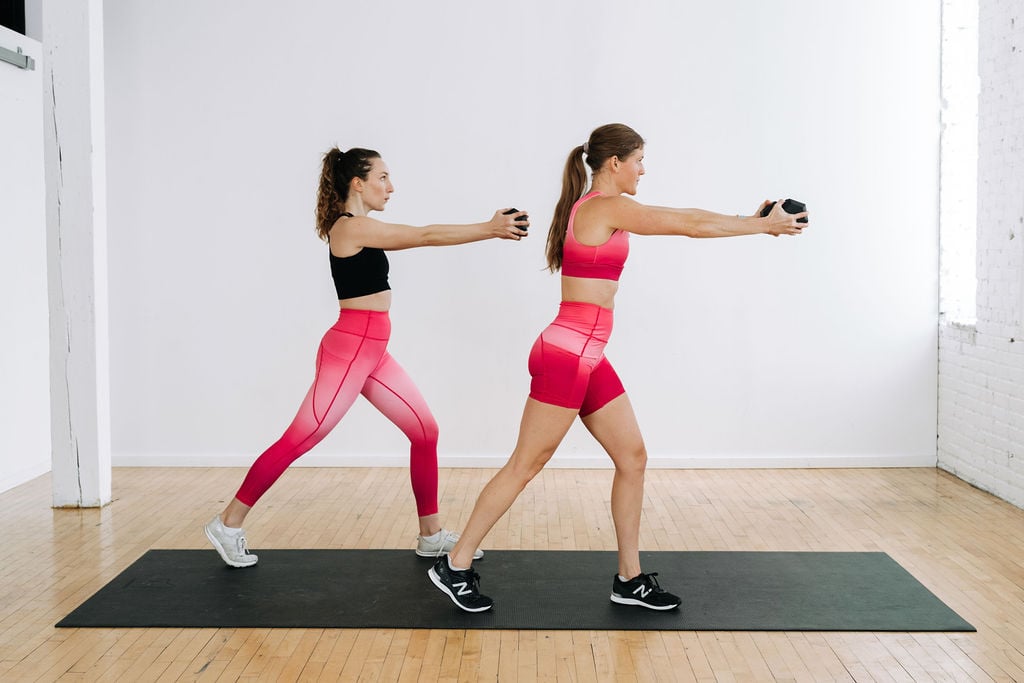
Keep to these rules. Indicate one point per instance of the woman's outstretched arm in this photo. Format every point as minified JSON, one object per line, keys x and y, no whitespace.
{"x":629,"y":215}
{"x":362,"y":231}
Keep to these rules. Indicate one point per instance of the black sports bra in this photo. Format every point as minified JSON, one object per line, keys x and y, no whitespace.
{"x":363,"y":273}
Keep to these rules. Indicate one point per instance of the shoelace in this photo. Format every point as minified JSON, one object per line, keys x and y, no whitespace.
{"x":448,"y":536}
{"x":652,"y":581}
{"x":243,"y":549}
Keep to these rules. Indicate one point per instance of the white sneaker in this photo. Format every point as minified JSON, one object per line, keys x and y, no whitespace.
{"x":442,"y":546}
{"x":230,"y":546}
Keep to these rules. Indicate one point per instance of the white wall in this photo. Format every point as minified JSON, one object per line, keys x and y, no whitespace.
{"x":752,"y":351}
{"x":24,"y":350}
{"x":981,"y":368}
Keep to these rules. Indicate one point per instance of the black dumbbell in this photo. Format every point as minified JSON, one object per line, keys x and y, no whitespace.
{"x":789,"y":206}
{"x":524,"y":217}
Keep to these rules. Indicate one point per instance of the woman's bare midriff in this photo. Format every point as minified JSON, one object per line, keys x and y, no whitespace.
{"x":590,"y":291}
{"x":381,"y":301}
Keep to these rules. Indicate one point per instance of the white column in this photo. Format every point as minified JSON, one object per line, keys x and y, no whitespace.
{"x":76,"y":216}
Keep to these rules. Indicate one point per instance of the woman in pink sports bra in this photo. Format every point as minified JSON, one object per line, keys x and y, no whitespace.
{"x":589,"y":242}
{"x":353,"y":359}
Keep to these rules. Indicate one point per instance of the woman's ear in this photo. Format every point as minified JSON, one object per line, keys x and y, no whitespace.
{"x":356,"y":184}
{"x":614,"y":162}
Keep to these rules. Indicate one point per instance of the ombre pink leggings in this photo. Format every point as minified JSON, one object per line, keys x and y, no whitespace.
{"x":353,"y":360}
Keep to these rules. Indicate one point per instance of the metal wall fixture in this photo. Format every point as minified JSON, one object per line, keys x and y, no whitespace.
{"x":18,"y":59}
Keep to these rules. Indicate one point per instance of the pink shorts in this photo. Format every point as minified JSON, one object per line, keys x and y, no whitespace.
{"x":567,"y":361}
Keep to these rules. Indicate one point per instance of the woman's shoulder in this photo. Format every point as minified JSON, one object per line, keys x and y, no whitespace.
{"x":604,"y":203}
{"x":351,"y":225}
{"x":348,"y":234}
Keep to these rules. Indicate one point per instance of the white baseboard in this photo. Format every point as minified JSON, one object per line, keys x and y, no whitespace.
{"x":559,"y":461}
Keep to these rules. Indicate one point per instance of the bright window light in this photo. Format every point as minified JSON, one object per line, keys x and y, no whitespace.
{"x":958,"y":195}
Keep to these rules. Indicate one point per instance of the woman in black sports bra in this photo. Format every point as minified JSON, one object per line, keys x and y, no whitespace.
{"x":353,"y":357}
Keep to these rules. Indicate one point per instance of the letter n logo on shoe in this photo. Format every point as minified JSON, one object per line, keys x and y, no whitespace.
{"x":463,"y":587}
{"x":642,"y":591}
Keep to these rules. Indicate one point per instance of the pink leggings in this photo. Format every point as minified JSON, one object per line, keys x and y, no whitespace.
{"x":567,"y":361}
{"x":353,"y":360}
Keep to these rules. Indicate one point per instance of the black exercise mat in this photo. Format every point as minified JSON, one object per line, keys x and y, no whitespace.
{"x":721,"y":591}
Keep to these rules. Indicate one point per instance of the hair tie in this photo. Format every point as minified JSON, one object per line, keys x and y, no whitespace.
{"x":340,"y":163}
{"x":585,"y":147}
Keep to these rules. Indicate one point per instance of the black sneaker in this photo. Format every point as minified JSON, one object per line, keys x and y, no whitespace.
{"x":463,"y":587}
{"x":643,"y":590}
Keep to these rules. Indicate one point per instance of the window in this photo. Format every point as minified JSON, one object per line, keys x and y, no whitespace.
{"x":958,"y":194}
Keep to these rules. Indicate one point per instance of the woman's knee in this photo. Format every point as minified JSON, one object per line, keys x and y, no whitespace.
{"x":526,"y":467}
{"x":632,"y":461}
{"x":426,"y":434}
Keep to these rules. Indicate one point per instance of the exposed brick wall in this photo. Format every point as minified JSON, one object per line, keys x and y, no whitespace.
{"x":981,"y":367}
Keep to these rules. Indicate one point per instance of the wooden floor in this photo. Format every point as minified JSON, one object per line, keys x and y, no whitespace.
{"x":964,"y":545}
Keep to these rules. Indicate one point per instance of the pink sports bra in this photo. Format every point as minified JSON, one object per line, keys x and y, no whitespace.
{"x":603,"y":262}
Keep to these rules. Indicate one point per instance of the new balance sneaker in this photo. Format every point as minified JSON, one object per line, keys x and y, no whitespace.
{"x":440,"y":544}
{"x":463,"y":587}
{"x":230,"y":544}
{"x":644,"y":591}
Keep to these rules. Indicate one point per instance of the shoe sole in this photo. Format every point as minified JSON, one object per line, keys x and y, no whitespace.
{"x":639,"y":603}
{"x":423,"y":553}
{"x":436,"y":580}
{"x":223,"y":554}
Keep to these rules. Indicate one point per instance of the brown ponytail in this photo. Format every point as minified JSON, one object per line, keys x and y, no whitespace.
{"x":337,"y":172}
{"x":574,"y":180}
{"x":610,"y":140}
